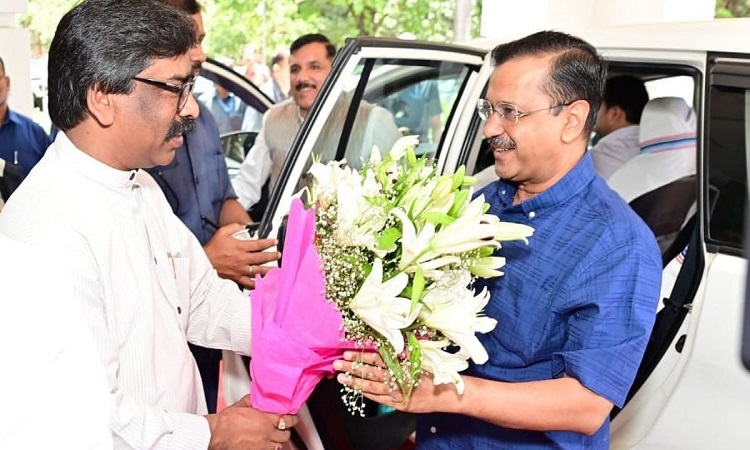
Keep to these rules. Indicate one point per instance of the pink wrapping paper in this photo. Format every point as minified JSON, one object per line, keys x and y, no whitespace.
{"x":296,"y":332}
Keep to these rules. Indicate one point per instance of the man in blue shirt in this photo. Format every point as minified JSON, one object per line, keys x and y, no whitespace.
{"x":576,"y":305}
{"x":196,"y":185}
{"x":22,"y":141}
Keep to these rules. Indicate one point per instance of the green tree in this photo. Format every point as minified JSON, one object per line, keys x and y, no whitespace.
{"x":732,"y":8}
{"x":273,"y":24}
{"x":42,"y":18}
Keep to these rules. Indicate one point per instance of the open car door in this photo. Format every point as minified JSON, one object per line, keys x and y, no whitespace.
{"x":378,"y":91}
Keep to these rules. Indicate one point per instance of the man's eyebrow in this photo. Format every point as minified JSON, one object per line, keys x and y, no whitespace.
{"x":183,"y":78}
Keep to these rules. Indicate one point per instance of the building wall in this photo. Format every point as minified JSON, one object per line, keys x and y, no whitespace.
{"x":15,"y":49}
{"x":504,"y":18}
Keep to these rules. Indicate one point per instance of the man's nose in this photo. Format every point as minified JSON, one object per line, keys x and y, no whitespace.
{"x":493,"y":126}
{"x":191,"y":108}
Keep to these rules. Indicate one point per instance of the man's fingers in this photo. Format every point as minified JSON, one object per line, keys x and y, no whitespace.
{"x":371,"y":358}
{"x":257,"y":245}
{"x":228,"y":230}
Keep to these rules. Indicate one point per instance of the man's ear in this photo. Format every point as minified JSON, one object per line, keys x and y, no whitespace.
{"x":100,"y":106}
{"x":575,"y":120}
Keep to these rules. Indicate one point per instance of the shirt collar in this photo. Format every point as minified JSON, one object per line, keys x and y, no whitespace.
{"x":569,"y":186}
{"x":94,"y":169}
{"x":11,"y":116}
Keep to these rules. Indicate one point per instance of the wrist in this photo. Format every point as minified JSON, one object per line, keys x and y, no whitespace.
{"x":213,"y":426}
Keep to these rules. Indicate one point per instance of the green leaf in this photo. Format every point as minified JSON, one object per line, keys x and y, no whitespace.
{"x":417,"y":286}
{"x":461,"y":197}
{"x":438,"y":218}
{"x":388,"y":237}
{"x":387,"y":353}
{"x":410,"y":156}
{"x":415,"y":358}
{"x":458,"y":178}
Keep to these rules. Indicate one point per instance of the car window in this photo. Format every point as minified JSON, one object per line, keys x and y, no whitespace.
{"x":230,"y":111}
{"x":728,"y":125}
{"x":384,"y":100}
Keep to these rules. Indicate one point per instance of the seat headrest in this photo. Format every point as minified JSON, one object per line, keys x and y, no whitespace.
{"x":667,"y":123}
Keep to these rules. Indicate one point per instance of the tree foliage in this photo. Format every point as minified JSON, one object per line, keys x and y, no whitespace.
{"x":732,"y":8}
{"x":274,"y":24}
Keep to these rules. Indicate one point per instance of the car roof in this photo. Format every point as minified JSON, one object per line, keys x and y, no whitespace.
{"x":724,"y":35}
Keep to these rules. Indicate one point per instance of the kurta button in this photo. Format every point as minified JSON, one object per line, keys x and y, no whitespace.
{"x":156,"y":263}
{"x":179,"y":310}
{"x":532,"y":214}
{"x":433,"y":430}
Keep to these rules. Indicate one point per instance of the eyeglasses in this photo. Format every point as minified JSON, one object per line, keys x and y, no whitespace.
{"x":183,"y":90}
{"x":507,"y":112}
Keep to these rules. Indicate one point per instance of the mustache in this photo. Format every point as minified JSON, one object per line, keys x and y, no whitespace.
{"x":500,"y":142}
{"x":303,"y":84}
{"x":180,"y":127}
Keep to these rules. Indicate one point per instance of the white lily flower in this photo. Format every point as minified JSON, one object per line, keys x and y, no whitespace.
{"x":413,"y":245}
{"x":442,"y":365}
{"x":375,"y":156}
{"x":486,"y":267}
{"x":473,"y":230}
{"x":326,"y":176}
{"x":458,"y":317}
{"x":399,"y":148}
{"x":378,"y":304}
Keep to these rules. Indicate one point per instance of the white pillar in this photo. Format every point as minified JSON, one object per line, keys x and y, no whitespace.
{"x":15,"y":49}
{"x":505,"y":18}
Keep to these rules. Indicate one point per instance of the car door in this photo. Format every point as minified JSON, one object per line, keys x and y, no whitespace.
{"x":378,"y":90}
{"x":370,"y":99}
{"x":695,"y":392}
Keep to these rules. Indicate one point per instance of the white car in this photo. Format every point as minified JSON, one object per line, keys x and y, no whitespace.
{"x":692,"y":391}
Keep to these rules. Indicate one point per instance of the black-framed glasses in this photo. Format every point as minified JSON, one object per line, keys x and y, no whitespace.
{"x":183,"y":90}
{"x":508,"y":112}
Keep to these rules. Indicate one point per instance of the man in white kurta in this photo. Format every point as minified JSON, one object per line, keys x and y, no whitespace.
{"x":52,"y":389}
{"x":144,"y":283}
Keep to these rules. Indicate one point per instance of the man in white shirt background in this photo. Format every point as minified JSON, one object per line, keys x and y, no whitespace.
{"x":310,"y":60}
{"x":617,"y":124}
{"x":120,"y":91}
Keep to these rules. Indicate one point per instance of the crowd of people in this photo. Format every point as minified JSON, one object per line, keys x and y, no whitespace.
{"x":132,"y":210}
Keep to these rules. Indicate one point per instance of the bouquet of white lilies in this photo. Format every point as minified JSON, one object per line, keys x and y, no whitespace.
{"x":400,"y":247}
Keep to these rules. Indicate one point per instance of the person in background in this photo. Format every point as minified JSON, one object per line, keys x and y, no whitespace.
{"x":196,"y":184}
{"x":56,"y":365}
{"x":121,"y":77}
{"x":310,"y":60}
{"x":226,"y":108}
{"x":38,"y":72}
{"x":277,"y":87}
{"x":576,"y":305}
{"x":623,"y":101}
{"x":22,"y":141}
{"x":418,"y":111}
{"x":252,"y":66}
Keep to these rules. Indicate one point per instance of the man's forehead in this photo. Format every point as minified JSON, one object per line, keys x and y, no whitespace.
{"x":519,"y":73}
{"x":314,"y":51}
{"x":178,"y":67}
